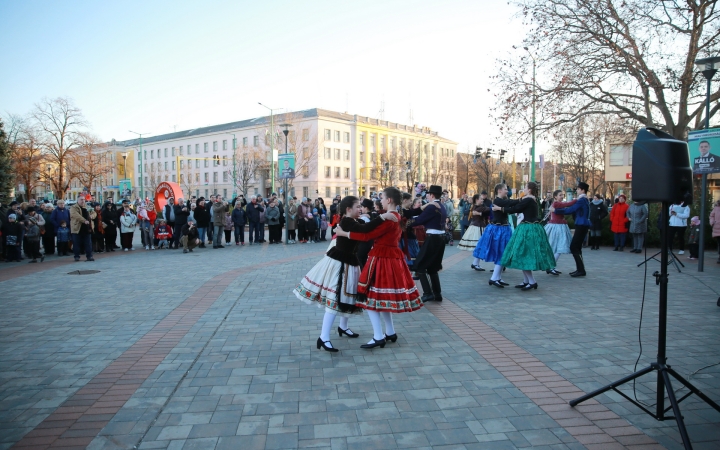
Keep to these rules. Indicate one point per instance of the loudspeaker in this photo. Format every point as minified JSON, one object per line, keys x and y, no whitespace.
{"x":661,"y":169}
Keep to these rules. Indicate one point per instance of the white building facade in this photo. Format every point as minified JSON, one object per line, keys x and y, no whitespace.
{"x":335,"y":153}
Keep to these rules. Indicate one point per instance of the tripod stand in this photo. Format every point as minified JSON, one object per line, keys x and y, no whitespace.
{"x":672,"y":259}
{"x":663,"y":370}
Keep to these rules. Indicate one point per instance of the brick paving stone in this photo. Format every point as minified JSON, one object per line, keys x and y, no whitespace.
{"x":244,"y":372}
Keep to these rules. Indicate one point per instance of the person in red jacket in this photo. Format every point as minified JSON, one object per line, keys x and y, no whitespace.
{"x":163,"y":234}
{"x":619,"y":222}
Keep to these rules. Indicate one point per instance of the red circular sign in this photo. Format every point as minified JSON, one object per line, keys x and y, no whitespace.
{"x":164,"y":191}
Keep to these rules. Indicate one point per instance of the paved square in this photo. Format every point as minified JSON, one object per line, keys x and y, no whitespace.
{"x":211,"y":350}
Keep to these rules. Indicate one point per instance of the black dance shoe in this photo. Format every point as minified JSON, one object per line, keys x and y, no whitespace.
{"x":478,"y":268}
{"x":521,"y":286}
{"x":375,"y":343}
{"x":496,"y":283}
{"x":530,"y":286}
{"x":427,"y":298}
{"x":504,"y":283}
{"x":349,"y":333}
{"x":553,"y":272}
{"x":578,"y":274}
{"x":321,"y":343}
{"x":391,"y":338}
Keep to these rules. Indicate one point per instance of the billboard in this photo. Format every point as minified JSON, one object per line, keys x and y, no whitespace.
{"x":125,"y":188}
{"x":286,"y":164}
{"x":704,"y":148}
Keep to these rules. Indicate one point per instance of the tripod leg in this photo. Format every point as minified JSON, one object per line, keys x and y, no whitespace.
{"x":692,"y":388}
{"x":676,"y":409}
{"x":612,"y":386}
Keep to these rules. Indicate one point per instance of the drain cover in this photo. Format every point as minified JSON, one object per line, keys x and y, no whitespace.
{"x":83,"y":272}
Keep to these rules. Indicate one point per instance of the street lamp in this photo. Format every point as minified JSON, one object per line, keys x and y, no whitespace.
{"x":286,"y":130}
{"x":709,"y":67}
{"x":140,"y":159}
{"x":272,"y":142}
{"x":532,"y":149}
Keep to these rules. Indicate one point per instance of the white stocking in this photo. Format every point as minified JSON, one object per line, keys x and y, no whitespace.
{"x":344,"y":323}
{"x":376,"y":324}
{"x":327,"y":326}
{"x":526,"y":280}
{"x":527,"y":274}
{"x":497,"y":272}
{"x":476,"y":261}
{"x":557,"y":256}
{"x":389,"y":328}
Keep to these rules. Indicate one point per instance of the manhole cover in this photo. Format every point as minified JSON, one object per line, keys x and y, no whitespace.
{"x":83,"y":272}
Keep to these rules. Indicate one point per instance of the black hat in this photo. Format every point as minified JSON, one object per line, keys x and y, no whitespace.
{"x":435,"y":190}
{"x":368,"y":203}
{"x":13,"y":203}
{"x":125,"y":201}
{"x":484,"y":193}
{"x":584,"y":186}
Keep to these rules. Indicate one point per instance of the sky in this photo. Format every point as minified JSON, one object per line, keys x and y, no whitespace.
{"x":160,"y":66}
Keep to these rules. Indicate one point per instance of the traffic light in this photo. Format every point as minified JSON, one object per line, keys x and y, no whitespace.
{"x":502,"y":154}
{"x":408,"y":165}
{"x":216,"y":160}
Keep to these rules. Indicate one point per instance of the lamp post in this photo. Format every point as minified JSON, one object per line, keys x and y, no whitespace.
{"x":709,"y":68}
{"x":272,"y":143}
{"x":234,"y":172}
{"x":532,"y":149}
{"x":142,"y":185}
{"x":286,"y":130}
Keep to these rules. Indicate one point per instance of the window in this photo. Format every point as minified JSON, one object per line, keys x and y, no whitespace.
{"x":197,"y":163}
{"x":166,"y":165}
{"x":181,"y":150}
{"x":225,"y":178}
{"x":182,"y":177}
{"x":346,"y":155}
{"x":173,"y":152}
{"x":337,"y":172}
{"x":245,"y":141}
{"x":146,"y":181}
{"x":256,"y":141}
{"x":225,"y":161}
{"x":393,"y":142}
{"x":346,"y":139}
{"x":214,"y":146}
{"x":173,"y":178}
{"x":205,"y":147}
{"x":328,"y":153}
{"x":305,"y":191}
{"x":173,"y":165}
{"x":347,"y":191}
{"x":327,"y":191}
{"x":256,"y":192}
{"x":328,"y":135}
{"x":362,"y":139}
{"x":306,"y":135}
{"x":152,"y":154}
{"x":224,"y":144}
{"x":327,"y":171}
{"x":215,"y":177}
{"x":207,"y":177}
{"x":224,"y":193}
{"x":337,"y":153}
{"x":337,"y":190}
{"x":337,"y":139}
{"x":207,"y":193}
{"x":197,"y":177}
{"x":372,"y":143}
{"x":382,"y":143}
{"x":362,"y":157}
{"x":347,"y":173}
{"x":182,"y":164}
{"x":620,"y":155}
{"x":197,"y":149}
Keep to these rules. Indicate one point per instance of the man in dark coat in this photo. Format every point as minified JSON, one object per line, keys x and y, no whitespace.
{"x":181,"y":217}
{"x":429,"y":260}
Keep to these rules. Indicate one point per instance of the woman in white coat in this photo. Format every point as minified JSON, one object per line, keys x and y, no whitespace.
{"x":679,"y":214}
{"x":128,"y":220}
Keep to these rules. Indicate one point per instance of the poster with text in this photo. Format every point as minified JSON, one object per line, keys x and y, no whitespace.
{"x":286,"y":163}
{"x":704,"y":148}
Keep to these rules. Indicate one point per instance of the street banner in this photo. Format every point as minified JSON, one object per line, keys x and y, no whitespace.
{"x":542,"y":161}
{"x":286,"y":163}
{"x":704,"y":148}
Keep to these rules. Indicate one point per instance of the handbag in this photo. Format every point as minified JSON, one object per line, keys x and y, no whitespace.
{"x":12,"y":240}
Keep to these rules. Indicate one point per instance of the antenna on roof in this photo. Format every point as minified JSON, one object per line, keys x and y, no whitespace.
{"x":411,"y":119}
{"x":381,"y":114}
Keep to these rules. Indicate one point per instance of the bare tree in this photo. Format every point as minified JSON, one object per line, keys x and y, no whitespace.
{"x":245,"y":168}
{"x":27,"y":157}
{"x":607,"y":57}
{"x":302,"y":140}
{"x":61,"y":128}
{"x":88,"y":162}
{"x":189,"y":180}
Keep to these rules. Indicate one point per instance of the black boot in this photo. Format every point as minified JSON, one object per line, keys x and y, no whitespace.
{"x":427,"y":291}
{"x":580,"y":272}
{"x":436,"y":289}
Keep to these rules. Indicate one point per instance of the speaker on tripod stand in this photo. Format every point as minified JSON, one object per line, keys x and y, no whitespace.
{"x":661,"y":173}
